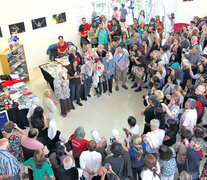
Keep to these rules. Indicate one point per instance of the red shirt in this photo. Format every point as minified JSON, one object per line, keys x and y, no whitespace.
{"x":78,"y":146}
{"x":61,"y":48}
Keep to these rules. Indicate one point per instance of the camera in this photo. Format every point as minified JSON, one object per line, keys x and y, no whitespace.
{"x":112,"y":139}
{"x":132,"y":54}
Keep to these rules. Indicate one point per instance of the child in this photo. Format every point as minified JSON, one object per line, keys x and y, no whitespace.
{"x":137,"y":155}
{"x":194,"y":156}
{"x":49,"y":105}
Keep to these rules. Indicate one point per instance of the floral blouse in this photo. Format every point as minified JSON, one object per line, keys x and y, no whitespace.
{"x":15,"y":147}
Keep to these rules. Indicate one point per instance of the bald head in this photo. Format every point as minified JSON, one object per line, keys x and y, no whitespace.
{"x":4,"y":144}
{"x":194,"y":39}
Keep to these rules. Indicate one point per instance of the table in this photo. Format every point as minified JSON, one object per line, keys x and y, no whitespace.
{"x":49,"y":79}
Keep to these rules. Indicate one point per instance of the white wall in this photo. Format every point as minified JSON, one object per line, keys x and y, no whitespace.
{"x":185,"y":11}
{"x":37,"y":41}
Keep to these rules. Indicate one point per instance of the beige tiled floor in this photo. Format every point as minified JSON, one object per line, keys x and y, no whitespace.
{"x":103,"y":114}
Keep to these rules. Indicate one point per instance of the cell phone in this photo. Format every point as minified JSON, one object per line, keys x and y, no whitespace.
{"x":107,"y":166}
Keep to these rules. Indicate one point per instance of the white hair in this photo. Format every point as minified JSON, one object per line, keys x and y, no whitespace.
{"x":191,"y":103}
{"x":155,"y":123}
{"x":4,"y":146}
{"x":202,"y":89}
{"x":72,"y":48}
{"x":67,"y":162}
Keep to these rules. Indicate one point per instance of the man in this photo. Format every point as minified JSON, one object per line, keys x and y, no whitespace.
{"x":90,"y":161}
{"x":201,"y":102}
{"x":86,"y":71}
{"x":123,"y":11}
{"x":83,"y":30}
{"x":136,"y":40}
{"x":185,"y":43}
{"x":194,"y":42}
{"x":189,"y":118}
{"x":95,"y":17}
{"x":191,"y":27}
{"x":121,"y":61}
{"x":154,"y":138}
{"x":9,"y":165}
{"x":194,"y":58}
{"x":194,"y":157}
{"x":169,"y":25}
{"x":160,"y":26}
{"x":103,"y":36}
{"x":116,"y":29}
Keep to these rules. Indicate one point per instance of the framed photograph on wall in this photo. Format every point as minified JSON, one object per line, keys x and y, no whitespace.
{"x":59,"y":18}
{"x":0,"y":33}
{"x":17,"y":28}
{"x":39,"y":23}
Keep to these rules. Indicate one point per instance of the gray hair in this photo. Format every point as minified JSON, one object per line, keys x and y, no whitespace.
{"x":72,"y":48}
{"x":191,"y":103}
{"x":184,"y":175}
{"x":67,"y":162}
{"x":154,"y":100}
{"x":159,"y":94}
{"x":202,"y":89}
{"x":155,"y":123}
{"x":79,"y":133}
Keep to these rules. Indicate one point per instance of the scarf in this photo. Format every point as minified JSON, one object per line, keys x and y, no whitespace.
{"x":52,"y":130}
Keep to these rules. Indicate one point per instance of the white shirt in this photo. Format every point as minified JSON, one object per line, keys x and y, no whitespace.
{"x":189,"y":119}
{"x":148,"y":174}
{"x":91,"y":160}
{"x":135,"y":130}
{"x":160,"y":134}
{"x":164,"y":58}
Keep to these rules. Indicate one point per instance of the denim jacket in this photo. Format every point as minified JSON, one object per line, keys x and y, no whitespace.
{"x":108,"y":66}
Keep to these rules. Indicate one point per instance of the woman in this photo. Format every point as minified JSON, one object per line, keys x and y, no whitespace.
{"x":49,"y":105}
{"x":141,"y":30}
{"x":98,"y":78}
{"x":185,"y":29}
{"x":168,"y":89}
{"x":74,"y":74}
{"x":15,"y":147}
{"x":62,"y":47}
{"x":145,"y":43}
{"x":74,"y":54}
{"x":104,"y":21}
{"x":38,"y":120}
{"x":62,"y":93}
{"x":53,"y":135}
{"x":151,"y":168}
{"x":170,"y":41}
{"x":180,"y":94}
{"x":79,"y":144}
{"x":171,"y":132}
{"x":109,"y":67}
{"x":41,"y":168}
{"x":141,"y":17}
{"x":174,"y":61}
{"x":172,"y":110}
{"x":155,"y":42}
{"x":101,"y":52}
{"x":115,"y":13}
{"x":168,"y":164}
{"x":155,"y":57}
{"x":164,"y":57}
{"x":176,"y":47}
{"x":91,"y":55}
{"x":137,"y":153}
{"x":124,"y":39}
{"x":135,"y":23}
{"x":139,"y":68}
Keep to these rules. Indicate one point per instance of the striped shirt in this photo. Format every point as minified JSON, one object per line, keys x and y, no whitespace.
{"x":8,"y":163}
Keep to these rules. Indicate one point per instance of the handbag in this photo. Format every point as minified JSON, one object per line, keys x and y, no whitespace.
{"x":68,"y":144}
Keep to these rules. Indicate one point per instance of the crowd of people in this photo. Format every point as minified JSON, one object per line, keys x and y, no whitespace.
{"x":174,"y":73}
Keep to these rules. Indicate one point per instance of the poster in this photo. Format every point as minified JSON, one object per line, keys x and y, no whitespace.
{"x":39,"y":23}
{"x":17,"y":28}
{"x":3,"y":119}
{"x":59,"y":18}
{"x":0,"y":33}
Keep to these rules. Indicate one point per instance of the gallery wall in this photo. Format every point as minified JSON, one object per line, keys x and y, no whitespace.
{"x":37,"y":41}
{"x":185,"y":11}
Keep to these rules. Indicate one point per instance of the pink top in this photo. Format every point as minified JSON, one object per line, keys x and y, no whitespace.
{"x":31,"y":143}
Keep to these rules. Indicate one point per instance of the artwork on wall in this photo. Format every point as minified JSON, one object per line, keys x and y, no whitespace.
{"x":59,"y":18}
{"x":187,"y":0}
{"x":0,"y":33}
{"x":39,"y":23}
{"x":17,"y":28}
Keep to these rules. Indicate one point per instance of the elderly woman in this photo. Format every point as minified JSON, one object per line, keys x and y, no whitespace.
{"x":62,"y":47}
{"x":79,"y":144}
{"x":91,"y":55}
{"x":62,"y":93}
{"x":86,"y":71}
{"x":109,"y":67}
{"x":74,"y":54}
{"x":101,"y":51}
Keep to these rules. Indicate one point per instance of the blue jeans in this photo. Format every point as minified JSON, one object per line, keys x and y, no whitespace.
{"x":87,"y":86}
{"x":75,"y":92}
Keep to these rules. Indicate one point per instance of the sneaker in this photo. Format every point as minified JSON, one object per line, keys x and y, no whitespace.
{"x":135,"y":85}
{"x":72,"y":107}
{"x":133,"y":79}
{"x":110,"y":91}
{"x":84,"y":99}
{"x":124,"y":86}
{"x":79,"y":103}
{"x":99,"y":95}
{"x":138,"y":89}
{"x":130,"y":77}
{"x":63,"y":115}
{"x":104,"y":91}
{"x":89,"y":95}
{"x":117,"y":88}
